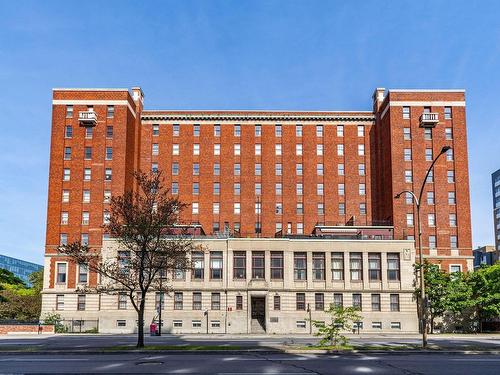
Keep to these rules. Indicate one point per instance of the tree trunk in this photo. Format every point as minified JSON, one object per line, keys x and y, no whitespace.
{"x":140,"y":325}
{"x":432,"y":324}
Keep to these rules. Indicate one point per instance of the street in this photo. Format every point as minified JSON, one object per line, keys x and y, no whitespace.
{"x":251,"y":363}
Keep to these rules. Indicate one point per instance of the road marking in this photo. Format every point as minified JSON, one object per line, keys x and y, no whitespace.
{"x":476,"y":359}
{"x":41,"y":359}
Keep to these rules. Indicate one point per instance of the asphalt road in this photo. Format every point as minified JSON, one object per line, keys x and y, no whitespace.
{"x":86,"y":342}
{"x":250,"y":364}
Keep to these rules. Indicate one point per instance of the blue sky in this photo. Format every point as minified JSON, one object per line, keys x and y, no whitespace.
{"x":309,"y":55}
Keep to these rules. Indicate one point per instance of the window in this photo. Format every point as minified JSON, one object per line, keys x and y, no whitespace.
{"x":108,"y":173}
{"x":298,"y":149}
{"x":80,"y":303}
{"x":318,"y":263}
{"x":300,"y":301}
{"x":237,"y":188}
{"x":64,"y":218}
{"x":197,"y":301}
{"x":177,"y":323}
{"x":341,"y":189}
{"x":216,"y":188}
{"x":298,"y":130}
{"x":215,"y":301}
{"x":85,"y":218}
{"x":430,"y":198}
{"x":216,"y":130}
{"x":278,"y":227}
{"x":408,"y":176}
{"x":395,"y":325}
{"x":375,"y":302}
{"x":196,"y":130}
{"x":361,"y":131}
{"x":428,"y":154}
{"x":258,"y":130}
{"x":361,"y":169}
{"x":258,"y":265}
{"x":175,"y":169}
{"x":455,"y":268}
{"x":408,"y":198}
{"x":239,"y":265}
{"x":277,"y":130}
{"x":154,"y":167}
{"x":393,"y":267}
{"x":109,"y":153}
{"x":277,"y":303}
{"x":198,"y":259}
{"x":237,"y":208}
{"x":298,"y":169}
{"x":257,"y":208}
{"x":300,"y":208}
{"x":61,"y":273}
{"x":258,"y":149}
{"x":65,"y":196}
{"x":319,"y":150}
{"x":337,"y":266}
{"x":406,"y":112}
{"x":340,"y":150}
{"x":66,"y":174}
{"x":68,"y":131}
{"x":215,"y":227}
{"x":196,"y":149}
{"x":431,"y":220}
{"x":278,"y":169}
{"x":111,"y":111}
{"x":237,"y":130}
{"x":300,"y":266}
{"x":88,"y":153}
{"x":196,"y":323}
{"x":451,"y":177}
{"x":427,"y":134}
{"x":175,"y":130}
{"x":453,"y":242}
{"x":105,"y":217}
{"x":356,"y":266}
{"x":338,"y":299}
{"x":407,"y":154}
{"x":276,"y":265}
{"x":63,"y":239}
{"x":216,"y":265}
{"x":216,"y":169}
{"x":341,"y":208}
{"x":319,"y":301}
{"x":319,"y":189}
{"x":377,"y":325}
{"x":175,"y":149}
{"x":432,"y":242}
{"x":239,"y":302}
{"x":361,"y":150}
{"x":196,"y":169}
{"x":277,"y":149}
{"x":319,"y":130}
{"x":362,"y":189}
{"x":258,"y":169}
{"x":215,"y":208}
{"x":430,"y":177}
{"x":89,"y":132}
{"x":278,"y":189}
{"x":236,"y":227}
{"x":406,"y":134}
{"x":409,"y":220}
{"x":237,"y":169}
{"x":69,"y":111}
{"x":320,"y":209}
{"x":299,"y":189}
{"x":448,"y":133}
{"x":301,"y":324}
{"x":319,"y":169}
{"x":67,"y":153}
{"x":156,"y":130}
{"x":178,"y":300}
{"x":451,"y":197}
{"x":340,"y":169}
{"x":217,"y":149}
{"x":357,"y":301}
{"x":447,"y":113}
{"x":60,"y":302}
{"x":449,"y":155}
{"x":374,"y":267}
{"x":195,"y":208}
{"x":340,"y":130}
{"x":175,"y":188}
{"x":453,"y":220}
{"x":300,"y":228}
{"x":394,"y":302}
{"x":278,"y":208}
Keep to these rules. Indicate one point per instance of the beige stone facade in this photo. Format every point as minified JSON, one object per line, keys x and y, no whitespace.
{"x":281,"y":284}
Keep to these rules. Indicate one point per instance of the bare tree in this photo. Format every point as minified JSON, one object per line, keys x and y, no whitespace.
{"x":149,"y":245}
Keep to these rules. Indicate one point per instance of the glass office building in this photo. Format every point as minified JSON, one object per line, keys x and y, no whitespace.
{"x":495,"y":182}
{"x":18,"y":267}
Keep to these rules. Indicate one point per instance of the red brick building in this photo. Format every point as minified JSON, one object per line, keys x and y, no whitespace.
{"x":265,"y":173}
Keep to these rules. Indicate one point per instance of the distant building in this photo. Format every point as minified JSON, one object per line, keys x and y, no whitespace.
{"x":486,"y":255}
{"x":495,"y":184}
{"x":18,"y":267}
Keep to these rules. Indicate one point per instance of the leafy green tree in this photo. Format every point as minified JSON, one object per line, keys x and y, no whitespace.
{"x":341,"y":319}
{"x":36,"y":280}
{"x":485,"y":292}
{"x":436,"y":291}
{"x":7,"y":277}
{"x":17,"y":301}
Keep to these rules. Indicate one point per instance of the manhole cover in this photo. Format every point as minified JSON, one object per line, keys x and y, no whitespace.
{"x":149,"y":363}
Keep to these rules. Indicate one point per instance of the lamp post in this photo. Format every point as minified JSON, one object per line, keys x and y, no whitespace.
{"x":417,"y":201}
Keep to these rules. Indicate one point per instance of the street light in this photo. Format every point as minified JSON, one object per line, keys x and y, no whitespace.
{"x":417,"y":201}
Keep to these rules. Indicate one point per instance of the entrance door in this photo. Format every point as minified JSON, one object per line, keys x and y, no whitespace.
{"x":258,"y":315}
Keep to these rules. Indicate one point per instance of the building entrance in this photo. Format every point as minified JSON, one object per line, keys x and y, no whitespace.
{"x":258,"y":314}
